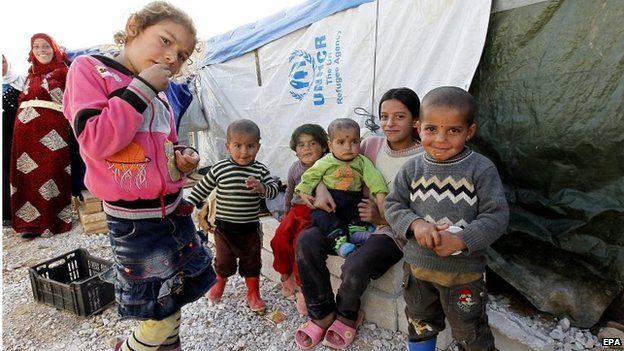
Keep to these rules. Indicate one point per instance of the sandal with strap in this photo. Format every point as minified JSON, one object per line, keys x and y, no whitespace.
{"x":340,"y":336}
{"x":312,"y":331}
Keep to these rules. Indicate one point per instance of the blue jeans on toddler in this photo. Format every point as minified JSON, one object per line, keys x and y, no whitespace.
{"x":160,"y":265}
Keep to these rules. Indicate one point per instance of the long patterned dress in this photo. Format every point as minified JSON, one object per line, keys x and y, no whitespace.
{"x":40,"y":158}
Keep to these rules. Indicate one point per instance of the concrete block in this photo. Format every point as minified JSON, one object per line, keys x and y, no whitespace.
{"x":380,"y":308}
{"x":391,"y":281}
{"x":266,"y":240}
{"x":334,"y":264}
{"x":267,"y":266}
{"x":401,"y":318}
{"x":511,"y":334}
{"x":335,"y":283}
{"x":268,"y":225}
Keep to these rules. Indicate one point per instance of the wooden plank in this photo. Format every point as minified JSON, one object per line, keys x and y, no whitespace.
{"x":90,"y":203}
{"x":92,"y":222}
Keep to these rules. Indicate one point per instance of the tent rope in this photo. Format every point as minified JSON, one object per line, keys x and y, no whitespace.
{"x":370,"y":123}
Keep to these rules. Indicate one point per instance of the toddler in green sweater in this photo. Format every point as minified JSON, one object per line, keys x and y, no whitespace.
{"x":344,"y":172}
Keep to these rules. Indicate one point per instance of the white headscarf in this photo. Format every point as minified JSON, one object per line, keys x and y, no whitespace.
{"x":16,"y":81}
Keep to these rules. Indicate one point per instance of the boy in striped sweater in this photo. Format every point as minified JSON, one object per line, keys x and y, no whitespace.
{"x":448,"y":185}
{"x":241,"y":183}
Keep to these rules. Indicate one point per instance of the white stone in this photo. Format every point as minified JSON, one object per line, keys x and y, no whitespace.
{"x":565,"y":324}
{"x":557,"y":334}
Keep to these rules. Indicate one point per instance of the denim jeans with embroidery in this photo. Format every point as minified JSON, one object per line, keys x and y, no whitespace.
{"x":160,"y":265}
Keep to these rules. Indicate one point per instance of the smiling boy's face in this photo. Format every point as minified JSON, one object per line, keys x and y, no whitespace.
{"x":444,"y":131}
{"x":243,"y":147}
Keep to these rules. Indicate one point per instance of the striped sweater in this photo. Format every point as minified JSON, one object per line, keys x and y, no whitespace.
{"x":235,"y":203}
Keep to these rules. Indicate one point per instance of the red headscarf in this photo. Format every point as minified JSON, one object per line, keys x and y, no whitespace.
{"x":59,"y":60}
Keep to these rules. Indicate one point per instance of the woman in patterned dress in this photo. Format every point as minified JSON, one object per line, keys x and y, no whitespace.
{"x":11,"y":87}
{"x":40,"y":159}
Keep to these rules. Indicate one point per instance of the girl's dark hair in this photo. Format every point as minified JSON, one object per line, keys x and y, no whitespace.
{"x":155,"y":12}
{"x":407,"y":97}
{"x":317,"y":132}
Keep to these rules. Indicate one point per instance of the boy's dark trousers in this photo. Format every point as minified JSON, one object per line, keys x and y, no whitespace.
{"x":242,"y":242}
{"x":346,"y":211}
{"x":463,"y":305}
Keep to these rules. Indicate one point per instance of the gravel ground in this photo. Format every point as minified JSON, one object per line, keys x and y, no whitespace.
{"x":230,"y":325}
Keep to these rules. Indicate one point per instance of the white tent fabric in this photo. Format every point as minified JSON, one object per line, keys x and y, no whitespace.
{"x":344,"y":61}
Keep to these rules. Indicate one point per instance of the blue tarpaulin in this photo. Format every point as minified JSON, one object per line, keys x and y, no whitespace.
{"x":251,"y":36}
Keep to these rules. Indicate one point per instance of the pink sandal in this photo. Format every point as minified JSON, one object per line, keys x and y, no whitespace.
{"x":340,"y":336}
{"x":312,"y":331}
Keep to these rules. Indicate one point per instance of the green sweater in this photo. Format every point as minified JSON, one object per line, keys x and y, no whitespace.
{"x":464,"y":191}
{"x":342,"y":175}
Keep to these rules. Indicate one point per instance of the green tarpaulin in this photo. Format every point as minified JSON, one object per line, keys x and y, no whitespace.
{"x":550,"y":93}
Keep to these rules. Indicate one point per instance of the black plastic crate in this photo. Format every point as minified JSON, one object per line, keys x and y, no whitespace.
{"x":71,"y":282}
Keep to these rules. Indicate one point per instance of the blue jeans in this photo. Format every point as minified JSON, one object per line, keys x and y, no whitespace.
{"x":160,"y":265}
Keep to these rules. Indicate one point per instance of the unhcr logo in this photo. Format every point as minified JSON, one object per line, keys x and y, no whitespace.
{"x":319,"y":72}
{"x":301,"y":73}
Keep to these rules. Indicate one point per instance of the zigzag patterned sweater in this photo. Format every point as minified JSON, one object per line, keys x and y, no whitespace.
{"x":465,"y":191}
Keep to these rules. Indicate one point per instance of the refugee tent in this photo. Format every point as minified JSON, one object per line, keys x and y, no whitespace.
{"x":550,"y":94}
{"x":323,"y":59}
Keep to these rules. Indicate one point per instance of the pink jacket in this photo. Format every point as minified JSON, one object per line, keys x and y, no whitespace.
{"x":126,"y":133}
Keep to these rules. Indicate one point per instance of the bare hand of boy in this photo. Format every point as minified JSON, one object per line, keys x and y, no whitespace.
{"x":186,"y":160}
{"x":254,"y":185}
{"x":449,"y":243}
{"x":426,"y":234}
{"x":157,"y":76}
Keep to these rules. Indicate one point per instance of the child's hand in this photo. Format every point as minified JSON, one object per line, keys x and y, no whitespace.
{"x":308,"y":200}
{"x":427,"y":234}
{"x":449,"y":243}
{"x":369,"y":212}
{"x":186,"y":160}
{"x":323,"y":201}
{"x":157,"y":75}
{"x":254,"y":185}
